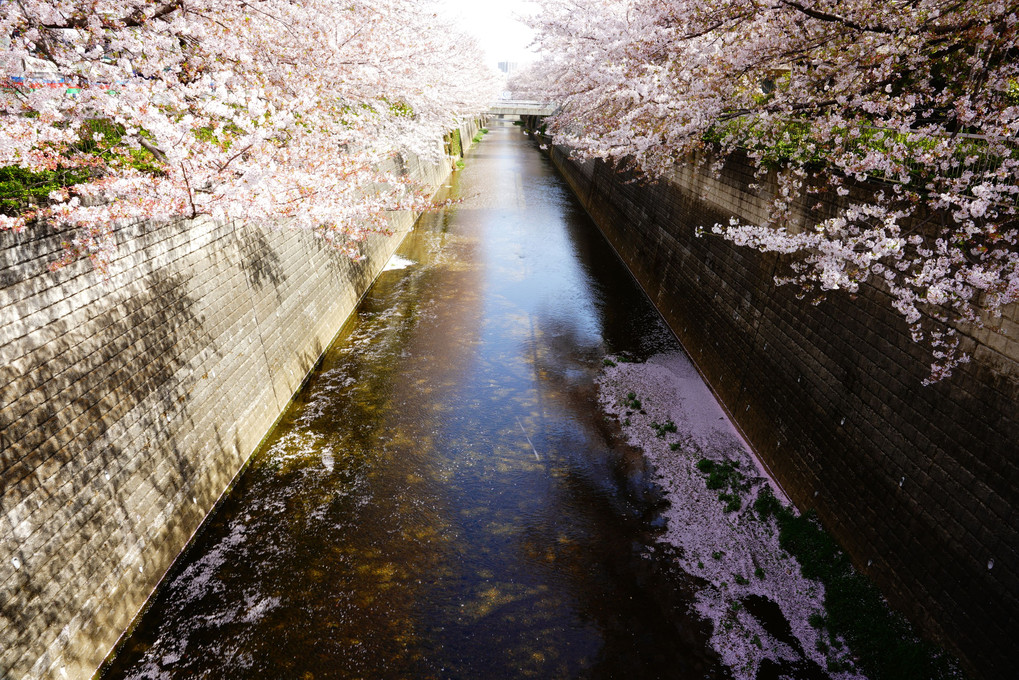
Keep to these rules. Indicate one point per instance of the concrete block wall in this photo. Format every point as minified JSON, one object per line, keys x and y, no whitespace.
{"x":919,"y":484}
{"x":129,"y":405}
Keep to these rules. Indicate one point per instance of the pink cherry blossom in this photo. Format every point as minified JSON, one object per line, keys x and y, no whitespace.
{"x":920,"y":99}
{"x":281,"y":111}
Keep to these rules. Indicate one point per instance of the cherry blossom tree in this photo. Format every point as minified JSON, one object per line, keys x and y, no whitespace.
{"x":919,"y":98}
{"x":276,"y":111}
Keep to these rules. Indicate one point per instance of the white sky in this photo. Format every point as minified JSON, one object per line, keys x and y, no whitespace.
{"x":494,"y":24}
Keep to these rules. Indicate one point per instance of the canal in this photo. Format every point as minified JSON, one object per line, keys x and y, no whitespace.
{"x":446,"y":497}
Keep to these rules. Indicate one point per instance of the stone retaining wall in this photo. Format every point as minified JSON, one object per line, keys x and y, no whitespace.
{"x":919,"y":484}
{"x":129,"y":405}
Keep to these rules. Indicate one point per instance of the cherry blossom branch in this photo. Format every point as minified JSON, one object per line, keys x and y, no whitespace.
{"x":835,"y":19}
{"x":916,"y":103}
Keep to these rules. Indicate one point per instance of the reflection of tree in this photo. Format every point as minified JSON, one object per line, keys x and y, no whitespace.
{"x":584,"y":536}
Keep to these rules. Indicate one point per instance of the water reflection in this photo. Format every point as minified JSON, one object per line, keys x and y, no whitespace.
{"x":444,"y":499}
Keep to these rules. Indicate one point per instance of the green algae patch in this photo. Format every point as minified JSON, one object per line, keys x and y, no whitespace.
{"x":725,"y":478}
{"x":881,"y":641}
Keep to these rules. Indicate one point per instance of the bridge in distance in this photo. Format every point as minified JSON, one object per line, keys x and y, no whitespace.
{"x":520,"y":107}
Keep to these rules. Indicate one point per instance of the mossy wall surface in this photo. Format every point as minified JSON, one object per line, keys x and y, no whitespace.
{"x":129,"y":405}
{"x":919,"y":484}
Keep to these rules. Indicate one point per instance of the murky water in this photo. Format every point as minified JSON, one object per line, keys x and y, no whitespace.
{"x":445,"y":499}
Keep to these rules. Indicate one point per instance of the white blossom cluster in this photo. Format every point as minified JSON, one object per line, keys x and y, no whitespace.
{"x":256,"y":110}
{"x":919,"y":95}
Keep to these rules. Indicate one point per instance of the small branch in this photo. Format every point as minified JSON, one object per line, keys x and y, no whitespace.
{"x":151,"y":148}
{"x":133,"y":20}
{"x":138,"y":18}
{"x":236,"y":155}
{"x":835,"y":19}
{"x":191,"y":196}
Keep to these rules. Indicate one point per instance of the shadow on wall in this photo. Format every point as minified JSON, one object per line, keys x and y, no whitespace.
{"x":262,"y":265}
{"x":130,"y":404}
{"x":83,"y":418}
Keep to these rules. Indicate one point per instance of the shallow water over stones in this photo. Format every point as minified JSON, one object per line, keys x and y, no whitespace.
{"x":446,"y":497}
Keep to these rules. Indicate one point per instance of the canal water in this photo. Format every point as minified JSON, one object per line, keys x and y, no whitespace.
{"x":445,"y":498}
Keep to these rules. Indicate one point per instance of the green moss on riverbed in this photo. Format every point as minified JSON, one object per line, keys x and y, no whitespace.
{"x":881,"y":641}
{"x":725,"y":478}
